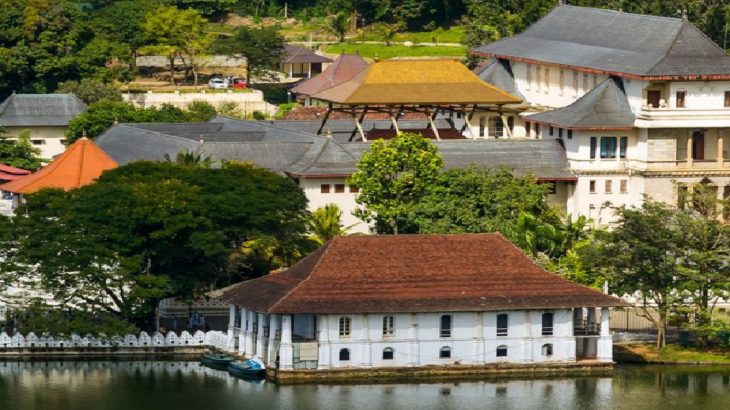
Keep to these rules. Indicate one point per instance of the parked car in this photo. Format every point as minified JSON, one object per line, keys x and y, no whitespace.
{"x":239,"y":82}
{"x":218,"y":83}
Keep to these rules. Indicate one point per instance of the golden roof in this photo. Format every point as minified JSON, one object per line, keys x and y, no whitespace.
{"x":422,"y":82}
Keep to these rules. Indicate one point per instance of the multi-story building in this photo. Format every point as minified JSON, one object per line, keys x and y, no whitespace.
{"x":641,"y":103}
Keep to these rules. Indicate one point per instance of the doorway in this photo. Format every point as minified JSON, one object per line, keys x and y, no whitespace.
{"x":653,"y":97}
{"x":698,"y":145}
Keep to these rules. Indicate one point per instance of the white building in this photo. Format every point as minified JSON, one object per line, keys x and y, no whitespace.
{"x":641,"y":103}
{"x":409,"y":301}
{"x":45,"y":116}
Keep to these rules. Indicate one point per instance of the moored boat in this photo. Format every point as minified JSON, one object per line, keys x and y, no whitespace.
{"x":218,"y":361}
{"x":248,"y":369}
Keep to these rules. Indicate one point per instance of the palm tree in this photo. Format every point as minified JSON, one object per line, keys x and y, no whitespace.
{"x":189,"y":159}
{"x":324,"y":224}
{"x":338,"y":25}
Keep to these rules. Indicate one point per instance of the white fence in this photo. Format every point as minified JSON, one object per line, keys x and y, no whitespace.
{"x":171,"y":339}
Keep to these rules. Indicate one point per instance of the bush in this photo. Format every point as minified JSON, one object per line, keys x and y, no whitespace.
{"x":284,"y":110}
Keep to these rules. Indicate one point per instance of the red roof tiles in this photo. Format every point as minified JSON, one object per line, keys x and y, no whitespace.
{"x":413,"y":273}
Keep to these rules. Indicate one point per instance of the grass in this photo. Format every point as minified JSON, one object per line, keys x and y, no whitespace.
{"x":671,"y":354}
{"x":385,"y":52}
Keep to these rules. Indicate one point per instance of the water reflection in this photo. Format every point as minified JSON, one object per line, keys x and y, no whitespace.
{"x":187,"y":385}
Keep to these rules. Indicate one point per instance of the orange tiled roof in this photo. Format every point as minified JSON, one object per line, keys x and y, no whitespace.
{"x":81,"y":164}
{"x":432,"y":81}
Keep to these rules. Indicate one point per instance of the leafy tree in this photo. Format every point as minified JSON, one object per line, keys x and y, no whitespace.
{"x":120,"y":22}
{"x":20,"y":153}
{"x":151,"y":230}
{"x":189,"y":159}
{"x":642,"y":256}
{"x":209,"y":8}
{"x":325,"y":223}
{"x":200,"y":111}
{"x":339,"y":25}
{"x":262,"y":47}
{"x":175,"y":34}
{"x":393,"y":177}
{"x":90,"y":90}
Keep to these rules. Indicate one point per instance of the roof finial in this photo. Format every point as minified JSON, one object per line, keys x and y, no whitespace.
{"x":83,"y":134}
{"x":201,"y":140}
{"x":328,"y":133}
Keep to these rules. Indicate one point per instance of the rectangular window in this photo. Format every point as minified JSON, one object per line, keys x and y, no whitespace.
{"x":547,"y":324}
{"x":529,"y":76}
{"x":608,"y":147}
{"x":570,"y":134}
{"x":727,"y":98}
{"x":623,"y":144}
{"x":682,"y":196}
{"x":592,"y":186}
{"x":595,"y":80}
{"x":624,"y":186}
{"x":344,"y":327}
{"x":354,"y":189}
{"x":537,"y":130}
{"x":445,"y":329}
{"x":496,"y":127}
{"x":538,"y":77}
{"x":388,"y":326}
{"x":594,"y":145}
{"x":550,"y":131}
{"x":680,"y":99}
{"x":552,"y":188}
{"x":562,"y":81}
{"x":339,"y":188}
{"x":560,"y":133}
{"x":38,"y":142}
{"x":608,"y":186}
{"x":502,"y":324}
{"x":547,"y":80}
{"x":528,"y":126}
{"x":482,"y":125}
{"x":575,"y":83}
{"x":324,"y":188}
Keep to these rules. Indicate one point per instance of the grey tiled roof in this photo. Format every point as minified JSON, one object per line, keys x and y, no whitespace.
{"x":498,"y":72}
{"x":615,"y":42}
{"x":298,"y":54}
{"x":28,"y":110}
{"x":604,"y":107}
{"x":301,"y":154}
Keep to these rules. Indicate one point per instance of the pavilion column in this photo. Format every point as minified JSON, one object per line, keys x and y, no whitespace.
{"x":286,"y":349}
{"x":260,"y":347}
{"x":249,"y":342}
{"x":720,"y":155}
{"x":243,"y":333}
{"x":273,"y":327}
{"x":690,"y":155}
{"x":605,"y":342}
{"x":231,"y":343}
{"x":309,"y":72}
{"x":291,"y":70}
{"x":324,"y":343}
{"x":367,"y":351}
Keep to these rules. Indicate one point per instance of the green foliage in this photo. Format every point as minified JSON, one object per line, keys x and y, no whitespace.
{"x":101,"y":115}
{"x":44,"y":320}
{"x":382,"y":51}
{"x":151,"y":230}
{"x":325,"y":223}
{"x":20,"y":153}
{"x":211,"y":8}
{"x":262,"y":47}
{"x":90,"y":90}
{"x":284,"y":109}
{"x":339,"y":25}
{"x":393,"y":177}
{"x":189,"y":159}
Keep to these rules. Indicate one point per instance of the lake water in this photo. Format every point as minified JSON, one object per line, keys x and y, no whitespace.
{"x":187,"y":385}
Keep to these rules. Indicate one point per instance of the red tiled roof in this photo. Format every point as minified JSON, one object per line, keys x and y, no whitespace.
{"x":81,"y":164}
{"x":413,"y":273}
{"x":8,"y":173}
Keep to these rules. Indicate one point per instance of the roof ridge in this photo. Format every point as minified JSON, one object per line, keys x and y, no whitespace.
{"x":573,"y":6}
{"x":327,"y":246}
{"x":666,"y":54}
{"x":131,"y":125}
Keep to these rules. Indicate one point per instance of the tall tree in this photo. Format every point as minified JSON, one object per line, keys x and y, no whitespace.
{"x":393,"y":176}
{"x":20,"y":153}
{"x":325,"y":224}
{"x":263,"y":49}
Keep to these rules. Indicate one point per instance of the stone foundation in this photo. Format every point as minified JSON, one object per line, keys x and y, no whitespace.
{"x":432,"y":373}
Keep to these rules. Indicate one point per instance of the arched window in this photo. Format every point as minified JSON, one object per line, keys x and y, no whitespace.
{"x":445,"y":352}
{"x":388,"y":353}
{"x":502,"y":351}
{"x":344,"y":327}
{"x":502,"y":324}
{"x":445,"y":326}
{"x":547,"y":349}
{"x":547,"y":324}
{"x":344,"y":355}
{"x":388,"y":326}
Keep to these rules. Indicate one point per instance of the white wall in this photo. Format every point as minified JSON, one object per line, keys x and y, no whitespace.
{"x":553,"y":94}
{"x":346,"y":200}
{"x":48,"y":139}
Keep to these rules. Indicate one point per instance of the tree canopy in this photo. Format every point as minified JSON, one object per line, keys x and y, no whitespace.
{"x":262,"y":47}
{"x":151,"y":230}
{"x":21,"y":153}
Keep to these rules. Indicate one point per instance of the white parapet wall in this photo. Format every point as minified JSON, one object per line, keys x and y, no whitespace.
{"x":247,"y":102}
{"x":31,"y":341}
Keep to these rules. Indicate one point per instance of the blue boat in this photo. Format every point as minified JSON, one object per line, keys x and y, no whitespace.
{"x":217,"y":361}
{"x":250,"y":369}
